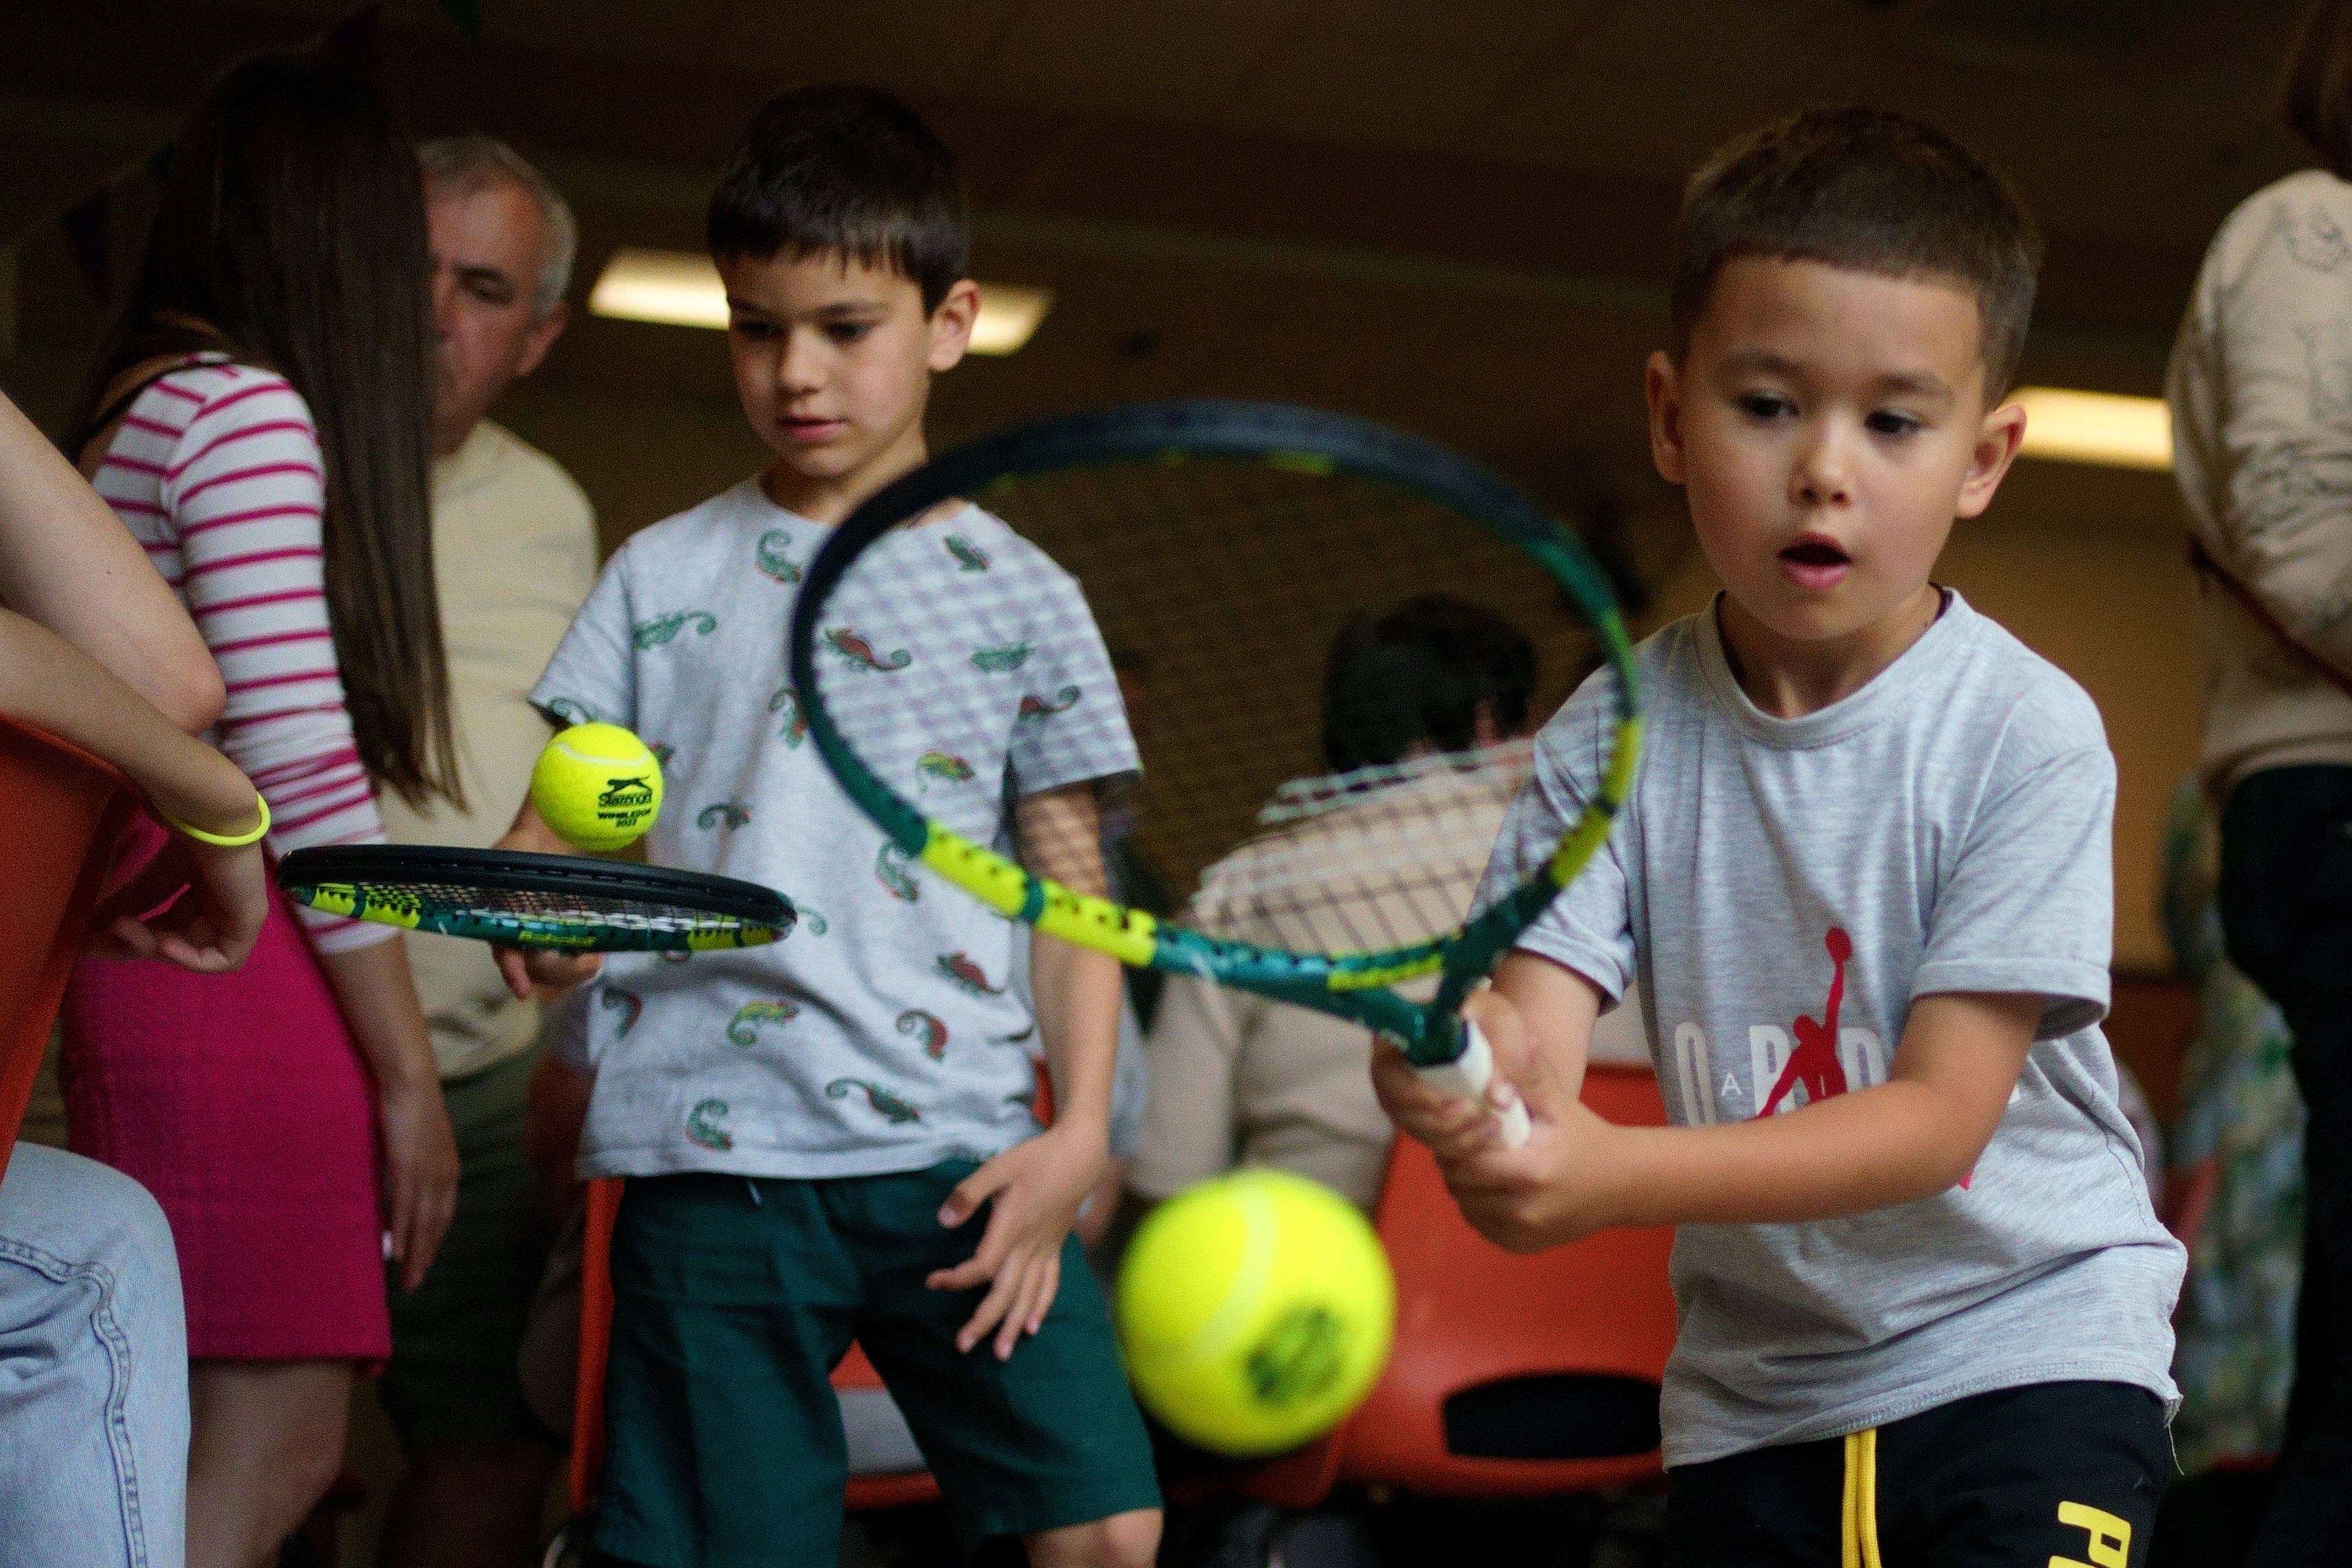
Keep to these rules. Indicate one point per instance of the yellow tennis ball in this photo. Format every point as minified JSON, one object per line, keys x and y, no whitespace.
{"x":1256,"y":1311}
{"x":597,"y":786}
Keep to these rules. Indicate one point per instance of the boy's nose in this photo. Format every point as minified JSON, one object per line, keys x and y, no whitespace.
{"x":799,"y":367}
{"x":1822,"y":477}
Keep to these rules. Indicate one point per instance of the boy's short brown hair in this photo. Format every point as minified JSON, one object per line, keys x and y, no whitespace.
{"x":848,"y":171}
{"x":1870,"y":191}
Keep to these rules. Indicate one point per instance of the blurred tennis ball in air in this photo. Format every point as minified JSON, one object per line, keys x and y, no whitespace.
{"x":1256,"y":1310}
{"x":598,"y":786}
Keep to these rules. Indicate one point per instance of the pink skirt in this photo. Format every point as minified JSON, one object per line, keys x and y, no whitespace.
{"x":241,"y":1102}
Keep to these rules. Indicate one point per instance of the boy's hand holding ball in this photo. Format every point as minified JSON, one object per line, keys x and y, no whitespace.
{"x":595,"y":787}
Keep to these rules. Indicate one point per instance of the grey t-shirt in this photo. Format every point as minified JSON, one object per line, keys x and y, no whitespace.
{"x":1781,"y":890}
{"x":886,"y":1032}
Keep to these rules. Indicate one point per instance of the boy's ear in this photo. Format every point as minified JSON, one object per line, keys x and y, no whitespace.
{"x":1998,"y":440}
{"x":952,"y":324}
{"x":1662,"y":382}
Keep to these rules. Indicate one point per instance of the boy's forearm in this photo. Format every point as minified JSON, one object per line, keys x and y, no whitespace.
{"x":530,"y":835}
{"x":1872,"y":1148}
{"x":1077,"y":1000}
{"x":1916,"y":1135}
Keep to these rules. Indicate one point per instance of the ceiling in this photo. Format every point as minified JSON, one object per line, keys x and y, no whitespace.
{"x":1451,"y":213}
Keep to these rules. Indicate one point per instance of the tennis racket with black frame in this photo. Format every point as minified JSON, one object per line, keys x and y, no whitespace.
{"x":565,"y":902}
{"x":1221,"y":547}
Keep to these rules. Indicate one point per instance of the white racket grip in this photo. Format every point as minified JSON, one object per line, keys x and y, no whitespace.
{"x":1467,"y":1077}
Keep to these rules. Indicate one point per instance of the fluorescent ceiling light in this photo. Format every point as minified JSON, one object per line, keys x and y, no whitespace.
{"x":1008,"y":315}
{"x":681,"y":288}
{"x":2095,"y":427}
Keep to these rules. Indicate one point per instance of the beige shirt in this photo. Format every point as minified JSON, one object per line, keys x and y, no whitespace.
{"x":1237,"y":1079}
{"x":514,"y":554}
{"x":2261,"y":388}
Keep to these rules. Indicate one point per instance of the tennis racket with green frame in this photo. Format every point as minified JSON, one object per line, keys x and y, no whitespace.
{"x":1221,"y":547}
{"x":570,"y":904}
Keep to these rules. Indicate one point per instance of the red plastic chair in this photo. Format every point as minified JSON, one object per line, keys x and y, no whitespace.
{"x":1472,"y":1317}
{"x":862,"y":1493}
{"x":65,"y":809}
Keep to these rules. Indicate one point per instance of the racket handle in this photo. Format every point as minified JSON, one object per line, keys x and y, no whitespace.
{"x":1467,"y":1077}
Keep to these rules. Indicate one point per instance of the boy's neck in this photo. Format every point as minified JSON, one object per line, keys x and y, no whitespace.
{"x":828,"y":499}
{"x":1789,"y":678}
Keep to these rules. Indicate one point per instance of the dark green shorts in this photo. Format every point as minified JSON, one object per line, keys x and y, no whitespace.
{"x":451,"y":1382}
{"x":734,"y":1298}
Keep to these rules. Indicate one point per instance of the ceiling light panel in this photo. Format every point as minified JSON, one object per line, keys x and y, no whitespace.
{"x":681,"y":288}
{"x":2105,"y":428}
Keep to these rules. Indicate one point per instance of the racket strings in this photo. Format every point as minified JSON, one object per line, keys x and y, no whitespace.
{"x":543,"y":910}
{"x":1219,"y":588}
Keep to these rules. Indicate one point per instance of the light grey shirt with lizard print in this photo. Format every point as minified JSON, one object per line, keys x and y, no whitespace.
{"x":882,"y":1034}
{"x":1783,"y":890}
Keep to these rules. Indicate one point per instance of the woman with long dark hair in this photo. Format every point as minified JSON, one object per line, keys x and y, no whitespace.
{"x":260,"y":419}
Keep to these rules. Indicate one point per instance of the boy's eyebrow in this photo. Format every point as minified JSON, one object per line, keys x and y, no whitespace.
{"x":1764,"y":361}
{"x":838,"y":309}
{"x":1918,"y":384}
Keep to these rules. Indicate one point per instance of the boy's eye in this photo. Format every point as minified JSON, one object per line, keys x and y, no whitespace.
{"x":848,"y":331}
{"x":1887,"y":421}
{"x":1765,"y":405}
{"x":757,"y":331}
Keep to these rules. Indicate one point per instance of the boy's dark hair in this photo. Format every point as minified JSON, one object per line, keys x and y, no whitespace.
{"x":848,"y":171}
{"x":1867,"y":190}
{"x":2317,"y":101}
{"x":1418,"y":675}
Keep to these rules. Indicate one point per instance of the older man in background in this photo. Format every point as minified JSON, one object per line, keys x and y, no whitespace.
{"x":514,"y":551}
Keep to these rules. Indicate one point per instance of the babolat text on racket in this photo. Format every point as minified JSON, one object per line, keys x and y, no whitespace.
{"x":568,"y":903}
{"x":1221,"y":548}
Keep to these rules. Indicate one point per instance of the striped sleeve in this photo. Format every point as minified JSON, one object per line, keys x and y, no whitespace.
{"x":245,"y":495}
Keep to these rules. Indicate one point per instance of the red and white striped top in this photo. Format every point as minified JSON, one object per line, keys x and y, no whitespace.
{"x":216,"y":470}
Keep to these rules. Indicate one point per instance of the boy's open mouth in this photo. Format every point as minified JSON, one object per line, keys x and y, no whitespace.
{"x":1815,"y":552}
{"x":1815,"y":562}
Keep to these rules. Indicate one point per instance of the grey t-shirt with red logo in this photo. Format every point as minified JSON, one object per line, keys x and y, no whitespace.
{"x":1781,"y":890}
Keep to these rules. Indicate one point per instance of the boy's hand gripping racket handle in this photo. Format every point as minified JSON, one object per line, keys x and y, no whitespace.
{"x":1467,"y":1077}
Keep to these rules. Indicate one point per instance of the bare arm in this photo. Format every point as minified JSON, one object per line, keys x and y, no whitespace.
{"x":66,"y":562}
{"x":47,"y":683}
{"x":1036,"y":1187}
{"x":387,"y":1023}
{"x":1910,"y":1137}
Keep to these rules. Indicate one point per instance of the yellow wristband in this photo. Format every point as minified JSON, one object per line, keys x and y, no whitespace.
{"x":225,"y":841}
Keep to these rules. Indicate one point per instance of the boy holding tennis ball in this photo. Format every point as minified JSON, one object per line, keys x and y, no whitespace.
{"x":1863,"y":881}
{"x":832,"y":1136}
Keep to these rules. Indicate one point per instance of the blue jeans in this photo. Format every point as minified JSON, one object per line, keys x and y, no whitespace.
{"x":93,"y":1370}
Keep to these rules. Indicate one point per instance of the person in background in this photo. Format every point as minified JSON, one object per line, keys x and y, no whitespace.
{"x":2242,"y":1119}
{"x":1425,"y":719}
{"x":2261,"y":389}
{"x":94,"y":1398}
{"x":260,"y":420}
{"x":514,"y":553}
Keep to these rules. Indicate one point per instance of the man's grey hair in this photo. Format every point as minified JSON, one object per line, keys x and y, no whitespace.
{"x":465,"y":164}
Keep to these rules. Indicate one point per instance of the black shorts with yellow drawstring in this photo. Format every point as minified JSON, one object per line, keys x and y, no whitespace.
{"x":2051,"y":1475}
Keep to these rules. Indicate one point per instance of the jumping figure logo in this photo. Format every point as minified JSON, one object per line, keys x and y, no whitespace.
{"x":1814,"y":1063}
{"x":1823,"y":1057}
